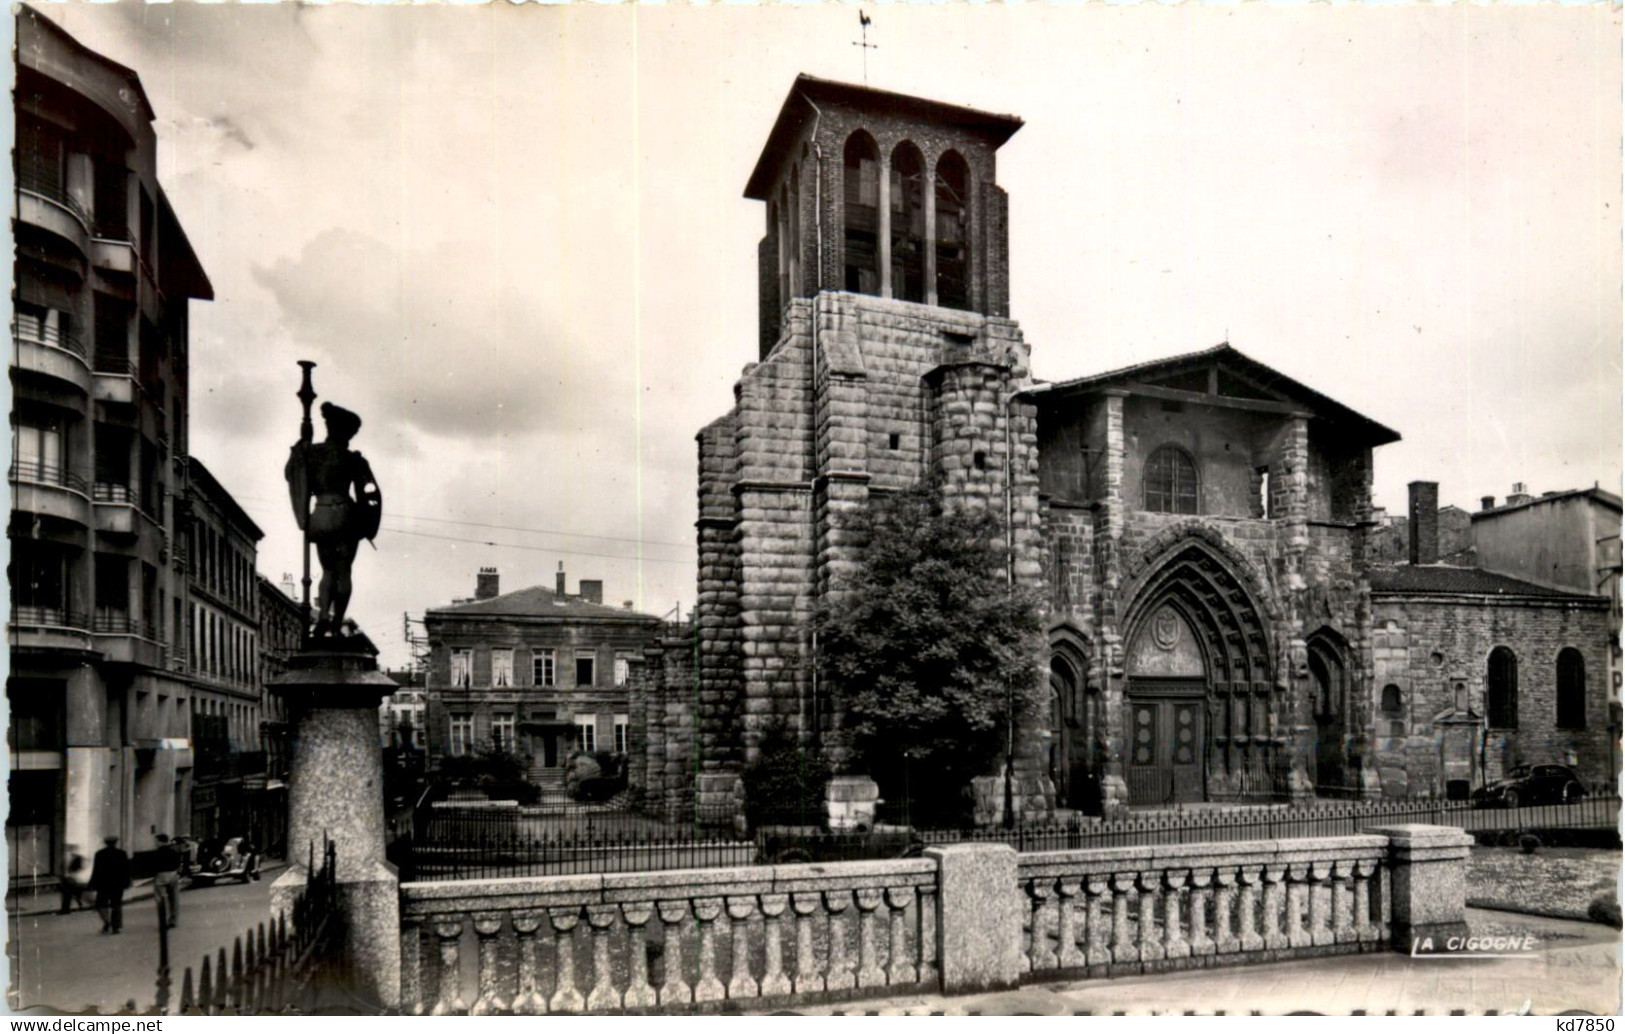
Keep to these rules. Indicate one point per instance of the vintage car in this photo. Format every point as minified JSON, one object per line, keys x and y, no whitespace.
{"x":217,"y":860}
{"x":1531,"y":784}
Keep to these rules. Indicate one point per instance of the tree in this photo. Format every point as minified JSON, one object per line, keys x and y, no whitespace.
{"x":930,"y":651}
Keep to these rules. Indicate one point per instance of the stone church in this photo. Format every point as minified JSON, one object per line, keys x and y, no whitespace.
{"x":1199,"y":524}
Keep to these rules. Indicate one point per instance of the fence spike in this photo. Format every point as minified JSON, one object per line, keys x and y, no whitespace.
{"x":188,"y":1001}
{"x":237,"y":971}
{"x":220,"y":989}
{"x":205,"y":988}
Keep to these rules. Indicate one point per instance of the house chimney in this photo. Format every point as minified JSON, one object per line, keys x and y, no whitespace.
{"x":626,"y":604}
{"x":1424,"y":522}
{"x":592,"y":590}
{"x":485,"y":584}
{"x":558,"y":582}
{"x":1520,"y":494}
{"x":1487,"y":503}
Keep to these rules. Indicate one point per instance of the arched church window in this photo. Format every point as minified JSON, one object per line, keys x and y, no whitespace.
{"x":1391,"y":702}
{"x":953,"y":231}
{"x":1170,"y":481}
{"x":1501,"y":689}
{"x":908,"y":223}
{"x":861,"y":185}
{"x":1571,"y":689}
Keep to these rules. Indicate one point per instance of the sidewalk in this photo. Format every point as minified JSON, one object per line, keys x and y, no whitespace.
{"x":1576,"y":968}
{"x":47,"y":900}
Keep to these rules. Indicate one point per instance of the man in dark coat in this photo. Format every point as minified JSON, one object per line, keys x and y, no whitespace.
{"x":109,"y":877}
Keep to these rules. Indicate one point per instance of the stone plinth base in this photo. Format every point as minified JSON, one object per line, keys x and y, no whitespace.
{"x":1033,"y":798}
{"x":1427,"y":880}
{"x":370,"y":910}
{"x":717,"y":796}
{"x":850,"y":802}
{"x":979,"y":917}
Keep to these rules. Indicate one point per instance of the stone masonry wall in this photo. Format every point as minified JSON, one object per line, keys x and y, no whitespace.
{"x":1428,"y":646}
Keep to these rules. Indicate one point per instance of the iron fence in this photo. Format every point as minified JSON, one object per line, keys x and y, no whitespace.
{"x":286,"y":967}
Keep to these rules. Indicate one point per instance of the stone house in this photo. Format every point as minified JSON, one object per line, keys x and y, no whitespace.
{"x":537,"y":672}
{"x":1200,"y":525}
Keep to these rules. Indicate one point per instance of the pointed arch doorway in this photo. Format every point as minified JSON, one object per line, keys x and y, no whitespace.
{"x":1199,"y":701}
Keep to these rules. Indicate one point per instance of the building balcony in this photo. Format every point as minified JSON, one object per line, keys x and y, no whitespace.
{"x":49,"y":628}
{"x":47,"y":351}
{"x":115,"y":379}
{"x":46,"y":203}
{"x":116,"y":508}
{"x":50,"y":491}
{"x":123,"y":639}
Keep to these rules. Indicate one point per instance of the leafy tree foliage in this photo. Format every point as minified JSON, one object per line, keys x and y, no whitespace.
{"x":930,"y":650}
{"x":785,"y":785}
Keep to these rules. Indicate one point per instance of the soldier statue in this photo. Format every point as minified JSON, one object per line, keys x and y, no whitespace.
{"x":347,"y":508}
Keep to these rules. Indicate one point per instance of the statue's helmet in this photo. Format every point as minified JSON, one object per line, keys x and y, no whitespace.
{"x":340,"y":421}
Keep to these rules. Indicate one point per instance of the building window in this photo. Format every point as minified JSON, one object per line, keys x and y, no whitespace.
{"x":541,"y":667}
{"x":907,"y":223}
{"x":953,"y":234}
{"x":462,"y":667}
{"x":501,"y":668}
{"x":587,"y":732}
{"x":621,"y":724}
{"x":1501,"y":689}
{"x":623,"y":668}
{"x":39,"y":454}
{"x":1391,"y":704}
{"x":502,"y":733}
{"x":861,"y":187}
{"x":1571,"y":689}
{"x":462,"y":734}
{"x":585,"y":660}
{"x":1170,"y":481}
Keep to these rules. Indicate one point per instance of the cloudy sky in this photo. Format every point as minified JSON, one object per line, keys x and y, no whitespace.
{"x":513,"y":238}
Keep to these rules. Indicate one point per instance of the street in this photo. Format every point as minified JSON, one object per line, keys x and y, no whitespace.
{"x":66,"y":963}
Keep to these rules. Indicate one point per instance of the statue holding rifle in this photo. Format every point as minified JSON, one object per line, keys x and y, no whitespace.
{"x":336,"y":502}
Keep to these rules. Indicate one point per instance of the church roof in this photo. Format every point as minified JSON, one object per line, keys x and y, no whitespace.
{"x":809,"y":90}
{"x":1239,"y":375}
{"x":538,"y":602}
{"x":1444,"y":580}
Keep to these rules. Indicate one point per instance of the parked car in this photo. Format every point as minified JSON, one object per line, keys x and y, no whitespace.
{"x":233,"y":859}
{"x":1532,"y":784}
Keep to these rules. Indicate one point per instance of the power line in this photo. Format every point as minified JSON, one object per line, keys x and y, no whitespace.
{"x":535,"y":549}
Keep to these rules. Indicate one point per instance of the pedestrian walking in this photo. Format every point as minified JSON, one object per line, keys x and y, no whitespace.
{"x":166,"y":881}
{"x":109,"y":878}
{"x":73,"y":881}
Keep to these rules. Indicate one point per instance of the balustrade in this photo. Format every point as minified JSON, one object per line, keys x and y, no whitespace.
{"x":667,"y":940}
{"x":1133,"y":909}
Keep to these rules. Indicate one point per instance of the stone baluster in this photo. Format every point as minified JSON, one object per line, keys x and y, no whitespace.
{"x":490,"y":1002}
{"x":1123,"y":949}
{"x":449,"y":931}
{"x":869,"y":972}
{"x":1247,"y":923}
{"x":1297,"y":889}
{"x":1201,"y":893}
{"x":1365,"y":871}
{"x":900,"y":967}
{"x":1066,"y":924}
{"x":1321,"y":904}
{"x":1039,"y":954}
{"x":1150,"y":892}
{"x":839,"y":976}
{"x":674,"y":990}
{"x":774,"y":980}
{"x":740,"y":983}
{"x":925,"y":933}
{"x":411,"y":967}
{"x":1225,"y":939}
{"x":1174,"y":944}
{"x":708,"y":988}
{"x":1275,"y":902}
{"x":1382,"y":888}
{"x":603,"y":995}
{"x":640,"y":994}
{"x":1096,"y":931}
{"x":1343,"y":931}
{"x":565,"y":996}
{"x":808,"y":977}
{"x":530,"y":1000}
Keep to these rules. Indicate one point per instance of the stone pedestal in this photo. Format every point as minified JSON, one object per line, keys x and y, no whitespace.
{"x":979,"y":917}
{"x":1428,"y":882}
{"x":717,"y":799}
{"x":849,"y":803}
{"x":336,"y":792}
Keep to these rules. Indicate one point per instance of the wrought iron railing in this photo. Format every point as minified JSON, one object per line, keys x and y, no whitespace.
{"x":52,"y":188}
{"x":39,"y":472}
{"x":49,"y":617}
{"x":291,"y":965}
{"x":114,"y":492}
{"x":119,"y":622}
{"x":115,"y":363}
{"x":32,"y":328}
